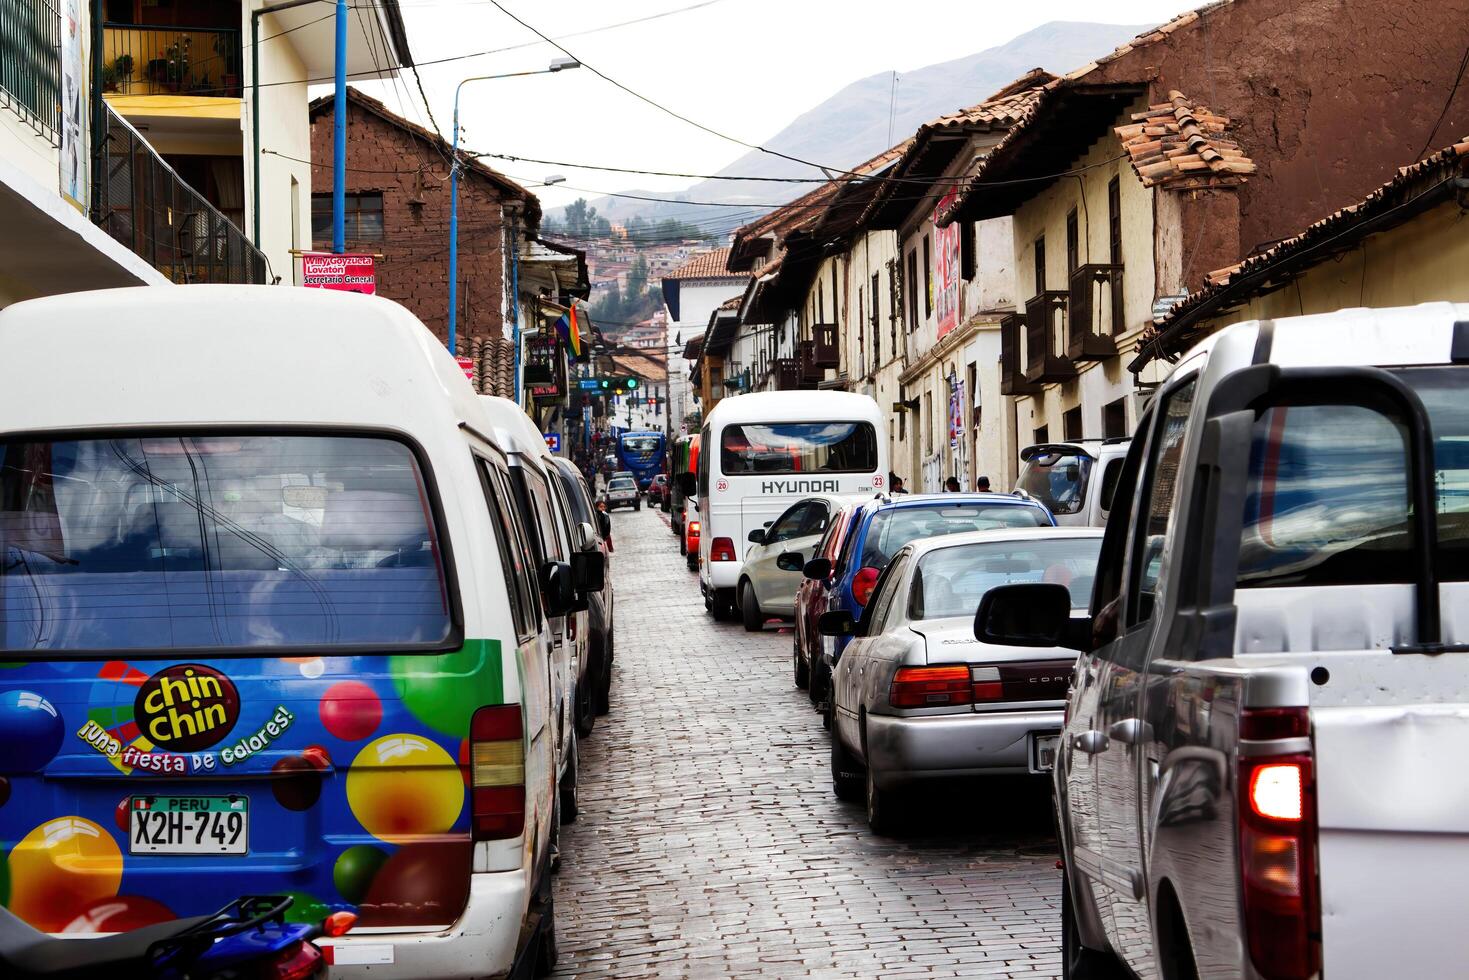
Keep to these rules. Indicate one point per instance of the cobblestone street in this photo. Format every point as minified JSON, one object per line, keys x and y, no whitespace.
{"x":710,"y":844}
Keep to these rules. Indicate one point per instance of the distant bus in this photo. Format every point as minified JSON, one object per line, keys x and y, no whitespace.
{"x":643,"y":453}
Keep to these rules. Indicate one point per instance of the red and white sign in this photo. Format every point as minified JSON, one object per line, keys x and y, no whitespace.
{"x":946,"y":255}
{"x":344,"y":273}
{"x":466,"y":364}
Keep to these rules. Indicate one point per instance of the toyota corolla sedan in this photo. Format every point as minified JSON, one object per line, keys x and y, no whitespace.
{"x":916,"y":697}
{"x":622,"y":491}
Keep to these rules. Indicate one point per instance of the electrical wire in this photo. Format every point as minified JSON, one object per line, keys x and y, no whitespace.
{"x":1463,"y":66}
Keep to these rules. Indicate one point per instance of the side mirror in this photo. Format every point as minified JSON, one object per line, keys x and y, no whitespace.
{"x":1033,"y":614}
{"x":605,"y":522}
{"x":757,"y":536}
{"x":836,"y":622}
{"x":558,"y":588}
{"x":817,"y":568}
{"x":588,"y":571}
{"x":791,"y":561}
{"x":586,"y":537}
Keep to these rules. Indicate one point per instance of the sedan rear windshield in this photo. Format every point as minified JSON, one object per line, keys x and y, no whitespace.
{"x":798,"y":447}
{"x":217,"y":541}
{"x":891,"y":529}
{"x":952,"y":581}
{"x":622,"y":483}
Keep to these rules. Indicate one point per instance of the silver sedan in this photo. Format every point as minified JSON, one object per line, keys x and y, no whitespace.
{"x":917,"y":697}
{"x":622,"y":491}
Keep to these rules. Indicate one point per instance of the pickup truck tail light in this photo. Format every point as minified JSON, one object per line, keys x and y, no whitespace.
{"x":863,"y":583}
{"x":721,"y":549}
{"x":497,"y":772}
{"x":1276,"y":802}
{"x":930,"y":687}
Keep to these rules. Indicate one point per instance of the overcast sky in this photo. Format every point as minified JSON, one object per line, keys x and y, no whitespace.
{"x":743,"y":67}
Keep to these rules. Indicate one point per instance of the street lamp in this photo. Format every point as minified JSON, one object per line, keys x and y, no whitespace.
{"x":560,"y":64}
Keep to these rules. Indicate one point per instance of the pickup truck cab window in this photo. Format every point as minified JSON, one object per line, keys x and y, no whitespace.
{"x":1157,"y":500}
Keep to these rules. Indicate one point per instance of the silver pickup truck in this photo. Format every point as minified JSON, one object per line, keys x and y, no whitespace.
{"x":1262,"y":771}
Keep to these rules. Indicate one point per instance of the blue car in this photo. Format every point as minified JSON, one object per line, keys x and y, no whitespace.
{"x":882,"y":526}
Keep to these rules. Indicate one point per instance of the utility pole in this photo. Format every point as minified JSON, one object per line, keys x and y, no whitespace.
{"x":339,"y":137}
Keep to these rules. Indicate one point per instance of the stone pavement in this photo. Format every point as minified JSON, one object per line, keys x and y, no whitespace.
{"x":710,"y":844}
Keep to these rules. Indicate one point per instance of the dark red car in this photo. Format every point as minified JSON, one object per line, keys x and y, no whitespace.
{"x":658,"y":491}
{"x":811,"y":602}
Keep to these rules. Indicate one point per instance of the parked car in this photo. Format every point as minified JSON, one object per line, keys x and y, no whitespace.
{"x":884,"y":525}
{"x":601,"y":637}
{"x":811,"y":598}
{"x":1261,"y":768}
{"x":337,"y":576}
{"x":622,"y":491}
{"x":777,"y":554}
{"x":658,"y":490}
{"x":1075,"y":480}
{"x":917,"y":697}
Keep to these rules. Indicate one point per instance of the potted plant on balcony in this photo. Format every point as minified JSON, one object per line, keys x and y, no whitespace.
{"x":171,"y":70}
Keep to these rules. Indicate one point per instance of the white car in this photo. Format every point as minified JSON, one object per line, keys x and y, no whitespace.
{"x":777,"y":554}
{"x":915,"y":696}
{"x":622,"y":491}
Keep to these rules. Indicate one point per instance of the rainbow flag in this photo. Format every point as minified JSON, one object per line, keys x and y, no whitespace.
{"x":566,"y":327}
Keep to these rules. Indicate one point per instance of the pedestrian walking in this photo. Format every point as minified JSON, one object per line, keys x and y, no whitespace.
{"x":607,"y":520}
{"x":895,"y":483}
{"x":983,"y":485}
{"x":951,"y":485}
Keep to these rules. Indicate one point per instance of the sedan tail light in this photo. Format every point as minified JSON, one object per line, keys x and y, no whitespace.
{"x":497,"y":772}
{"x":930,"y":687}
{"x":721,"y":549}
{"x":863,"y":584}
{"x":1276,"y":803}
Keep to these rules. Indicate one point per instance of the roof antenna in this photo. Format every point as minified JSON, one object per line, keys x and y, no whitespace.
{"x":892,"y":107}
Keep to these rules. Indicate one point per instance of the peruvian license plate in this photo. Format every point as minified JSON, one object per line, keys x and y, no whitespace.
{"x":1043,"y":752}
{"x":189,"y":825}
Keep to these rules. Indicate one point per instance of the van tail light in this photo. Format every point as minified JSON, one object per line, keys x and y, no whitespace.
{"x":930,"y":687}
{"x":497,"y":772}
{"x":1276,"y":802}
{"x":721,"y":549}
{"x":863,"y":583}
{"x":299,"y":961}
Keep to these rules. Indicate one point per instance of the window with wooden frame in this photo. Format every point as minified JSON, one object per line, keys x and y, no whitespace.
{"x":912,"y":285}
{"x":1114,"y":248}
{"x":968,"y":261}
{"x":927,"y":277}
{"x":1073,"y":244}
{"x":362,"y":217}
{"x":1040,"y":265}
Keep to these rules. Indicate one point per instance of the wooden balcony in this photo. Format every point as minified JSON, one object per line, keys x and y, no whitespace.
{"x":825,"y":337}
{"x":1095,"y":297}
{"x":811,"y":372}
{"x":787,"y":374}
{"x":1045,"y":325}
{"x":1012,"y":375}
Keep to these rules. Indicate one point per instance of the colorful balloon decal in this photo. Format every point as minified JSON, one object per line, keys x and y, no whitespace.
{"x":296,"y":783}
{"x":350,"y":710}
{"x":307,"y":908}
{"x":444,"y":691}
{"x":120,"y":914}
{"x":4,"y":791}
{"x":31,"y":731}
{"x":355,"y":869}
{"x":60,"y":869}
{"x":404,"y":787}
{"x":421,"y":884}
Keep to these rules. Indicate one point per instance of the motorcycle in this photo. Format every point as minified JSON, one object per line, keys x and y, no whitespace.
{"x":249,"y":939}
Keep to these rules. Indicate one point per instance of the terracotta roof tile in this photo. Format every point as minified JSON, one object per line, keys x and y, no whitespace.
{"x":707,"y":265}
{"x":1228,"y":287}
{"x":1183,"y":146}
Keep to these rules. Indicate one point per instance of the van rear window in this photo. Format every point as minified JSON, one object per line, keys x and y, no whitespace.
{"x":797,"y":447}
{"x":217,"y":541}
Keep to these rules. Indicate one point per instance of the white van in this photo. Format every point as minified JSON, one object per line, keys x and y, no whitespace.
{"x":285,"y":499}
{"x":762,"y":452}
{"x":1074,"y":479}
{"x":555,"y":537}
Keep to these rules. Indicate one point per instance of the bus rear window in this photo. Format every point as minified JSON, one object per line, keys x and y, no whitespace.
{"x":798,"y":447}
{"x":217,"y":542}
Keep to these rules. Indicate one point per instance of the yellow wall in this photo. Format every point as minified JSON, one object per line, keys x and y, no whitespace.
{"x":1421,"y":261}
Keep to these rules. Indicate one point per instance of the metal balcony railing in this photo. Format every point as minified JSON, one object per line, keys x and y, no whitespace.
{"x":145,"y":205}
{"x":150,"y":60}
{"x":30,"y":64}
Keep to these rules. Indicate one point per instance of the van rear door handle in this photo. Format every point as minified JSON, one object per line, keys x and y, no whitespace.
{"x":1090,"y":742}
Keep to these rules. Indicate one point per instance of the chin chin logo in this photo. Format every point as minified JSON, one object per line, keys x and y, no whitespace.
{"x":187,"y":707}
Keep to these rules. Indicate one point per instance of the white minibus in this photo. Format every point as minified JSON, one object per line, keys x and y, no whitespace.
{"x":760,"y":453}
{"x":259,"y":567}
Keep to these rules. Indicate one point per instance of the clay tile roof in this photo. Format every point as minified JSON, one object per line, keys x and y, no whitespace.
{"x":733,"y":303}
{"x":1227,"y":288}
{"x":707,"y":265}
{"x":1181,"y":145}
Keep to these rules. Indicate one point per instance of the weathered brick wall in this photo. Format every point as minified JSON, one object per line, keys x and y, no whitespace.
{"x":1328,"y":97}
{"x":413,"y":178}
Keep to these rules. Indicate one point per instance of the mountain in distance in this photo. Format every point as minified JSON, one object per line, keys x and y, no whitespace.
{"x":852,"y":125}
